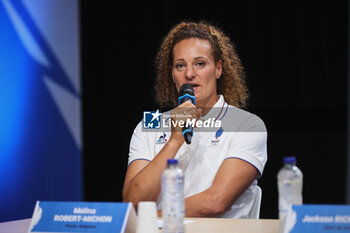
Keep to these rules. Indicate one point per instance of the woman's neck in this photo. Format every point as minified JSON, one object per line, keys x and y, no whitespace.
{"x":207,"y":104}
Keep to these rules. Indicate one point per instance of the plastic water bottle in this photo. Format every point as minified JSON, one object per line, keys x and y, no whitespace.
{"x":290,"y":185}
{"x":173,"y":198}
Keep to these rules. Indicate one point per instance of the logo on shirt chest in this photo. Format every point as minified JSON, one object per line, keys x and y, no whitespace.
{"x":217,"y":137}
{"x":162,"y":139}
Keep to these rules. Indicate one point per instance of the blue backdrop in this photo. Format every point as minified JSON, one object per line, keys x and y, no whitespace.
{"x":40,"y":126}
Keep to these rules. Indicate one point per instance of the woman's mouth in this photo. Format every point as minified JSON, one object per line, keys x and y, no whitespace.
{"x":195,"y":86}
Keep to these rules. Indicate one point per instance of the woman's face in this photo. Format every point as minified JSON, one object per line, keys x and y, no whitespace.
{"x":194,"y":64}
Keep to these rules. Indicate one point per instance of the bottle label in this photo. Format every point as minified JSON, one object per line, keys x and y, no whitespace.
{"x":290,"y":192}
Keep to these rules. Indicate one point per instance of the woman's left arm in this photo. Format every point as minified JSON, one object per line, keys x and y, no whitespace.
{"x":232,"y":179}
{"x":247,"y":156}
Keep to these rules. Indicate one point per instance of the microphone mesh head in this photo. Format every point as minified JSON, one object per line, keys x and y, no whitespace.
{"x":186,"y":89}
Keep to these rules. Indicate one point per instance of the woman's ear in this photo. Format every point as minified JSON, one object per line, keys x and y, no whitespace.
{"x":218,"y":69}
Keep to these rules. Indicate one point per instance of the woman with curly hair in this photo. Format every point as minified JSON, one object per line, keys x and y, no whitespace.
{"x":221,"y":166}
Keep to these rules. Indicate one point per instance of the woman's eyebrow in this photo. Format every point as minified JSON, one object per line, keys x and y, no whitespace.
{"x":196,"y":58}
{"x":179,"y":59}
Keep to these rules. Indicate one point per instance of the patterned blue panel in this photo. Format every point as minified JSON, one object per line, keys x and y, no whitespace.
{"x":40,"y":129}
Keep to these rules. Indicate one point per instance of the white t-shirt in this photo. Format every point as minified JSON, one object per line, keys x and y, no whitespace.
{"x":241,"y":135}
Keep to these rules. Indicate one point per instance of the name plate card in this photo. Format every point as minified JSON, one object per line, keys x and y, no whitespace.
{"x":91,"y":217}
{"x":318,"y":218}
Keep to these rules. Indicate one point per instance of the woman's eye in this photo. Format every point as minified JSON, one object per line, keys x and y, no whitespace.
{"x":179,"y":66}
{"x":200,"y":63}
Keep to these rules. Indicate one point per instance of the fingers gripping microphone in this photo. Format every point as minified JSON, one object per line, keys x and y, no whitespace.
{"x":187,"y":93}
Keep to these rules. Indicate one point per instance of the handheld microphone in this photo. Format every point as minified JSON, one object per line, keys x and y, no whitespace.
{"x":187,"y":93}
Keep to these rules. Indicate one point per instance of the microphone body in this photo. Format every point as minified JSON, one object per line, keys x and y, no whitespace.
{"x":187,"y":93}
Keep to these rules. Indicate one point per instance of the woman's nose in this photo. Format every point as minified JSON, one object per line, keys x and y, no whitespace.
{"x":190,"y":73}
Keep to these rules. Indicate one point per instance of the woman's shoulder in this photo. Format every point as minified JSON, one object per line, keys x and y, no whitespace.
{"x":243,"y":120}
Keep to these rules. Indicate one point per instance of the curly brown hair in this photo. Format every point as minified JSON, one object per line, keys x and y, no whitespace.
{"x":231,"y":84}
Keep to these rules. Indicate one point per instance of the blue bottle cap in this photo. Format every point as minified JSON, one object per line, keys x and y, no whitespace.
{"x":172,"y":161}
{"x":290,"y":160}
